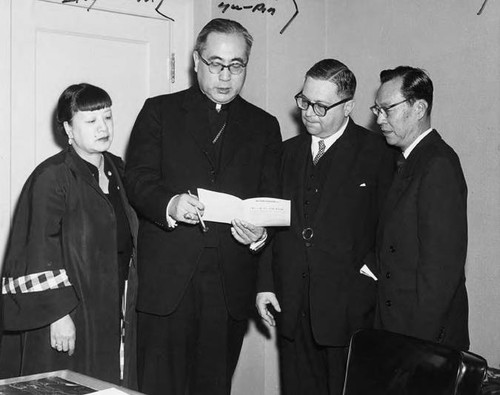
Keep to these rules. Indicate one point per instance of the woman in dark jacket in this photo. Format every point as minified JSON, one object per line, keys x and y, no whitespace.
{"x":71,"y":251}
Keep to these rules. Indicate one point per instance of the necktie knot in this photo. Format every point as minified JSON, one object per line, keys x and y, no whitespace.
{"x":321,"y":151}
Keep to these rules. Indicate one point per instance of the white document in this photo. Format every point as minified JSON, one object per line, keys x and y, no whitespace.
{"x":259,"y":211}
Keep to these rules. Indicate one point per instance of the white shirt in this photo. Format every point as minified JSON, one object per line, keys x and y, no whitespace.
{"x":406,"y":152}
{"x":328,"y":140}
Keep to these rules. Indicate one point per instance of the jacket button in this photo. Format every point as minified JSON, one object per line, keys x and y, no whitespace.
{"x":304,"y":275}
{"x":388,"y":275}
{"x":388,"y":303}
{"x":392,"y":249}
{"x":306,"y":202}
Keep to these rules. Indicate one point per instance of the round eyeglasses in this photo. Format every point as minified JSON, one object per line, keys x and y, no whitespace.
{"x":319,"y":109}
{"x":377,"y":111}
{"x":216,"y":67}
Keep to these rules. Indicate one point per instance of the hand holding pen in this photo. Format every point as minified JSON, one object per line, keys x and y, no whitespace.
{"x":186,"y":208}
{"x":204,"y":227}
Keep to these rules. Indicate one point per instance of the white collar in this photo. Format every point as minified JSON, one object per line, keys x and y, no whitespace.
{"x":328,"y":140}
{"x":406,"y":152}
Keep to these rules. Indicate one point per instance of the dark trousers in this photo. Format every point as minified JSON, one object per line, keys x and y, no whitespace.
{"x":308,"y":368}
{"x":195,"y":349}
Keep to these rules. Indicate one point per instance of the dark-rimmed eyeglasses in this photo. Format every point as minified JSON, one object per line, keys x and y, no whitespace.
{"x":234,"y":68}
{"x":319,"y":109}
{"x":377,"y":110}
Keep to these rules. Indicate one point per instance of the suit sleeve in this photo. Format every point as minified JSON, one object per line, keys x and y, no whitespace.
{"x":385,"y":174}
{"x":37,"y":289}
{"x":442,"y":232}
{"x":269,"y":181}
{"x":143,"y":176}
{"x":270,"y":185}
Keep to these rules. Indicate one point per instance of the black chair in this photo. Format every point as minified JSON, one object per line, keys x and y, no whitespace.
{"x":387,"y":363}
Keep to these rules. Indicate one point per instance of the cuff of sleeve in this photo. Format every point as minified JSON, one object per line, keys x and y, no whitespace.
{"x":37,"y":309}
{"x":257,"y":245}
{"x":172,"y":223}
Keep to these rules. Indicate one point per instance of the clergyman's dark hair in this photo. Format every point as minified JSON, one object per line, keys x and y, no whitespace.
{"x":225,"y":26}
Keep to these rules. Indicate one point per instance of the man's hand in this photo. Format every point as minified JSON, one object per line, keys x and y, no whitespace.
{"x":245,"y":232}
{"x":182,"y":208}
{"x":63,"y":335}
{"x":261,"y":302}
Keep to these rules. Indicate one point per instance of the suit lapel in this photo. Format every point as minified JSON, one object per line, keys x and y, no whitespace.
{"x":236,"y":134}
{"x":197,"y":120}
{"x":341,"y":165}
{"x":297,"y":168}
{"x":401,"y":180}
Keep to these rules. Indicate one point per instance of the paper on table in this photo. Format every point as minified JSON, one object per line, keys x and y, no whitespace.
{"x":110,"y":391}
{"x":260,"y":211}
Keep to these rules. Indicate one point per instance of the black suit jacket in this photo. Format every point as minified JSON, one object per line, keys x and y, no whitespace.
{"x":422,"y":246}
{"x":168,"y":156}
{"x":341,"y":299}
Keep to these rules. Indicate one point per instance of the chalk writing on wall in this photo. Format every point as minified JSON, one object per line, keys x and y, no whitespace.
{"x":255,"y":8}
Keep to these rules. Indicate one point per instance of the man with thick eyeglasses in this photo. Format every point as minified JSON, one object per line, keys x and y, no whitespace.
{"x":422,"y":235}
{"x":336,"y":176}
{"x":197,"y":284}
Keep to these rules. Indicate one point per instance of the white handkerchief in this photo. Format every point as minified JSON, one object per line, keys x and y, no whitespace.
{"x":367,"y":272}
{"x":362,"y":185}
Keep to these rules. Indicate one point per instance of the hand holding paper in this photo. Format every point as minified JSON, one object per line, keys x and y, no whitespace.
{"x":260,"y":211}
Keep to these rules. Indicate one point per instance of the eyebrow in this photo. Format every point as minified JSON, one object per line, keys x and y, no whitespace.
{"x":318,"y":102}
{"x":215,"y":57}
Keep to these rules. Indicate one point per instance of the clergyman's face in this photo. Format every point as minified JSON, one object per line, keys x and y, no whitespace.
{"x":400,"y":125}
{"x":225,"y":49}
{"x":325,"y":93}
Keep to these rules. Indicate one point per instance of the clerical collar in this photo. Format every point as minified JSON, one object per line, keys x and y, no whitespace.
{"x":212,"y":105}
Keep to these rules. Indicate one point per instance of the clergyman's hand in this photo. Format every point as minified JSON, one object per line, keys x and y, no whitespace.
{"x":183,"y":209}
{"x":245,"y":232}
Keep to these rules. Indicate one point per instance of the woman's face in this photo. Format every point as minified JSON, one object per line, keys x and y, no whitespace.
{"x":91,"y":131}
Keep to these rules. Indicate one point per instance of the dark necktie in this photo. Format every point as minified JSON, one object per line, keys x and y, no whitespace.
{"x":400,"y":162}
{"x":321,"y":152}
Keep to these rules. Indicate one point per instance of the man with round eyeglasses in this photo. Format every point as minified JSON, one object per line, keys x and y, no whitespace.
{"x":336,"y":175}
{"x":422,"y":236}
{"x":197,"y":280}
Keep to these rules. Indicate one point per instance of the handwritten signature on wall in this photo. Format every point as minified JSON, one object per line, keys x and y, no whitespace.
{"x":157,"y":8}
{"x":258,"y":7}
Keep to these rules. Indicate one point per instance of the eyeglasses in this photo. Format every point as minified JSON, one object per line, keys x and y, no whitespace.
{"x":216,"y":67}
{"x":319,"y":109}
{"x":377,"y":111}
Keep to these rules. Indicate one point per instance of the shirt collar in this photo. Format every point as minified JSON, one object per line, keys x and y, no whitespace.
{"x":406,"y":152}
{"x":328,"y":140}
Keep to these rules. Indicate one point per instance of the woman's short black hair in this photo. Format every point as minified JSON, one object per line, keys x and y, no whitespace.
{"x":80,"y":97}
